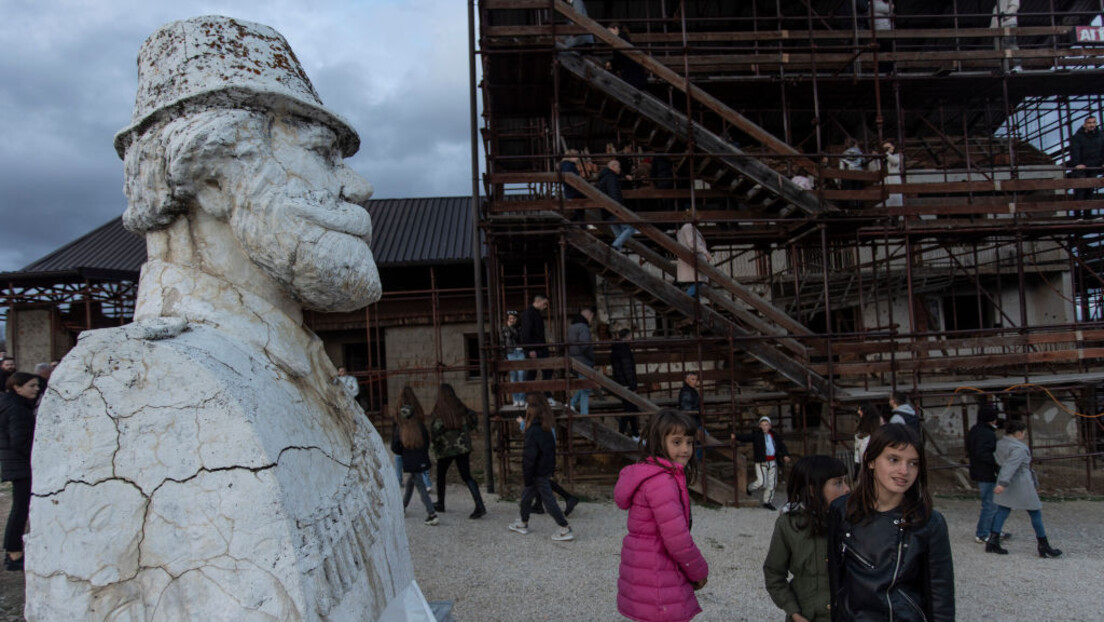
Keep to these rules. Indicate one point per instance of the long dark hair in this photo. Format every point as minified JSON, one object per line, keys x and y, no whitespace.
{"x":871,"y":419}
{"x":449,"y":409}
{"x":916,"y":508}
{"x":537,"y":409}
{"x":666,"y":422}
{"x":410,"y":428}
{"x":806,"y":487}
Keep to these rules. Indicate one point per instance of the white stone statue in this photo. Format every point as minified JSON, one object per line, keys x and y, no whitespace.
{"x":201,"y":463}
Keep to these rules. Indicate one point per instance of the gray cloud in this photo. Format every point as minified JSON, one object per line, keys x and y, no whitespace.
{"x":396,"y":69}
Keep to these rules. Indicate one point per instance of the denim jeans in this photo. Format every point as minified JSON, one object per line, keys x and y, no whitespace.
{"x":580,"y":402}
{"x":622,"y":233}
{"x":988,"y":509}
{"x":1036,"y":520}
{"x":518,"y":375}
{"x":399,"y":472}
{"x":418,"y":480}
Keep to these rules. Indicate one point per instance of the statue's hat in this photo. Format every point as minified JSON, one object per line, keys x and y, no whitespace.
{"x":216,"y":61}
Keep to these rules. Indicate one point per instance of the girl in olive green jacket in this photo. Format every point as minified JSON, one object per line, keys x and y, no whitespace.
{"x":800,"y":542}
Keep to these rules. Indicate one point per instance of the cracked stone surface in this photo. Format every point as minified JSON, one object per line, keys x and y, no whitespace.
{"x":201,"y":463}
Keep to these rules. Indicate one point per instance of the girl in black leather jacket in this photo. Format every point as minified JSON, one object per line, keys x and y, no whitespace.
{"x":889,"y":557}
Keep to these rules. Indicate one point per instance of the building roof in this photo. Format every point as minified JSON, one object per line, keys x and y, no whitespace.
{"x":421,"y":231}
{"x":406,"y":232}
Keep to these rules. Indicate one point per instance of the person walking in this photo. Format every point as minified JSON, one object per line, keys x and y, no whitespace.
{"x":533,"y":339}
{"x":410,"y":439}
{"x":767,"y":447}
{"x":661,"y":567}
{"x":981,"y":443}
{"x":580,"y":348}
{"x":538,"y":464}
{"x":1016,"y":490}
{"x":451,"y":424}
{"x":623,"y":364}
{"x":17,"y":424}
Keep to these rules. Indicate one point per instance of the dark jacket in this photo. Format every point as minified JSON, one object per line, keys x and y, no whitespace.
{"x":1087,"y":148}
{"x":981,"y":442}
{"x":538,"y":459}
{"x":905,"y":414}
{"x":578,"y":336}
{"x":627,"y":69}
{"x":532,"y":331}
{"x":623,"y":364}
{"x":759,"y":444}
{"x":448,"y":442}
{"x":17,"y":424}
{"x":511,"y":337}
{"x":569,"y":191}
{"x":610,"y":184}
{"x":793,"y":548}
{"x":690,"y":402}
{"x":879,"y":568}
{"x":415,"y":459}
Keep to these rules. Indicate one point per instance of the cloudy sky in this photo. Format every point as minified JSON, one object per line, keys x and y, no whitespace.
{"x":396,"y":69}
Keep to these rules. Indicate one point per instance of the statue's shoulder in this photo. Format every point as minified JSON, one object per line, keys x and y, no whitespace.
{"x":155,"y":329}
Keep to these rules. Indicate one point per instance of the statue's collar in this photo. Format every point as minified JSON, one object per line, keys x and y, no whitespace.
{"x":167,"y":290}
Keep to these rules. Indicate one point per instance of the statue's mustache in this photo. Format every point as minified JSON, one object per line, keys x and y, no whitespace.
{"x":331,"y":213}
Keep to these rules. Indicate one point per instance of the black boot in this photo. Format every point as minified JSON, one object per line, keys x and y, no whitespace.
{"x":480,"y":509}
{"x":1046,"y":551}
{"x":992,"y":545}
{"x":440,"y":505}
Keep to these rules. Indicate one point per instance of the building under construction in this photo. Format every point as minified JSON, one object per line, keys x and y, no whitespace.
{"x":965,"y":266}
{"x":952,"y":254}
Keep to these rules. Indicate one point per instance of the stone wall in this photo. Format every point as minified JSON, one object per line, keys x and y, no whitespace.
{"x":31,"y":336}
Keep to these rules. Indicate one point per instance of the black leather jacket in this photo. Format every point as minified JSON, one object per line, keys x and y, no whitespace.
{"x":879,"y":570}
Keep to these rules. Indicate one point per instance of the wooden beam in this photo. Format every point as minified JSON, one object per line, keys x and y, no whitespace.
{"x":670,"y":77}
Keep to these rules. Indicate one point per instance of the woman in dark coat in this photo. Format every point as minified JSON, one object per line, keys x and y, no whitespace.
{"x":17,"y":423}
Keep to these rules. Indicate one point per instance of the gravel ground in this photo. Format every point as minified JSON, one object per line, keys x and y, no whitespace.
{"x":495,"y":575}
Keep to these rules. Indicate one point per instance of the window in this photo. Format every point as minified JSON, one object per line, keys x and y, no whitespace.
{"x":471,"y":349}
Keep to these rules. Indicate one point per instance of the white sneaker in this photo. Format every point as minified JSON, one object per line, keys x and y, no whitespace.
{"x":519,"y":527}
{"x":563,"y":535}
{"x":636,"y":439}
{"x":552,"y":403}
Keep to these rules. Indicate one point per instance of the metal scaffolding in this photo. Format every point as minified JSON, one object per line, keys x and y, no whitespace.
{"x":969,"y":266}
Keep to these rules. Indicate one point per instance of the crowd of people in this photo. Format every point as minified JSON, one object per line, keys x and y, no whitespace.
{"x":877,"y":552}
{"x":22,"y":392}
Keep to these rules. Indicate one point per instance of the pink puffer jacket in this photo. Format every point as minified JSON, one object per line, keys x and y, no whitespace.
{"x":658,"y":557}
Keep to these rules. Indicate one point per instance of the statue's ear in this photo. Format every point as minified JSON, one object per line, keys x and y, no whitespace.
{"x":199,"y":161}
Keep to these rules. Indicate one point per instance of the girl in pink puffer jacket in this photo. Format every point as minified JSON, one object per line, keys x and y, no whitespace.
{"x":660,"y":565}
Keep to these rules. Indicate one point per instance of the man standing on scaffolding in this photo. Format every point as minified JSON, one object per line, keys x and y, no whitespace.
{"x":533,"y":339}
{"x":1086,"y":158}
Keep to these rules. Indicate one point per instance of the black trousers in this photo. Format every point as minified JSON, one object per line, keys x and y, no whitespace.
{"x":17,"y":518}
{"x":546,"y":374}
{"x":542,"y":487}
{"x":463,"y":464}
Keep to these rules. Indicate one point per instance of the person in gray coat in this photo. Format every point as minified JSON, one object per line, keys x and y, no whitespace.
{"x":579,"y":347}
{"x":1016,"y":489}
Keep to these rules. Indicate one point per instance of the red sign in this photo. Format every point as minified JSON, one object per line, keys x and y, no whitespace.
{"x":1090,"y":34}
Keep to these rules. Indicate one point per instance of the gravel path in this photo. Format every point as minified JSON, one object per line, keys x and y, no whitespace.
{"x":495,"y":575}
